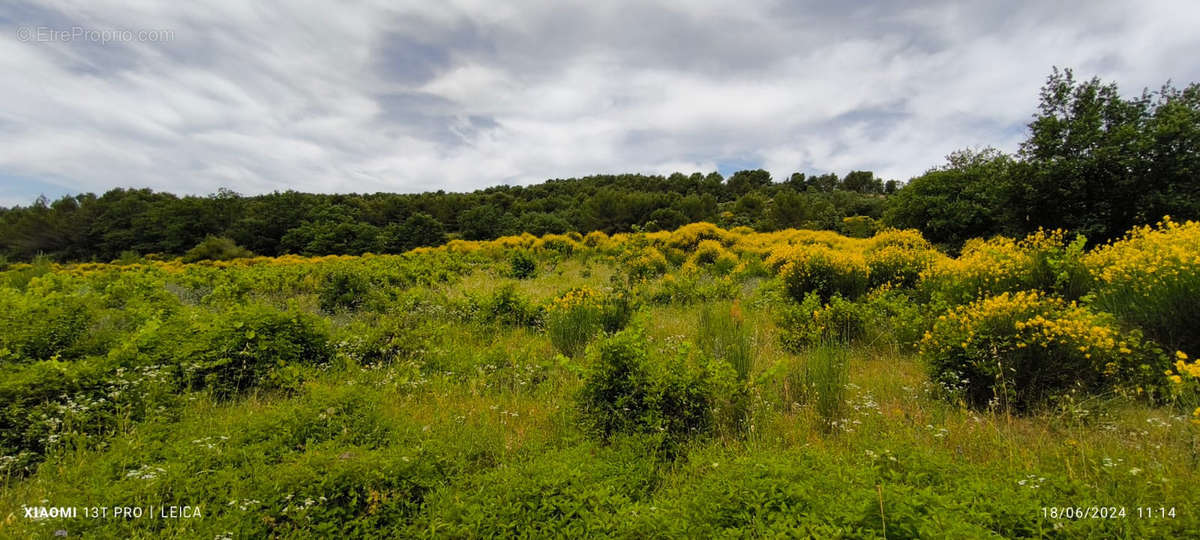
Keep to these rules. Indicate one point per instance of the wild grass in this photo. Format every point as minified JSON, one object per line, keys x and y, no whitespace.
{"x":433,"y":420}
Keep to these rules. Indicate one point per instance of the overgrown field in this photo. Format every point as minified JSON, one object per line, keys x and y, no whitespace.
{"x":694,"y":383}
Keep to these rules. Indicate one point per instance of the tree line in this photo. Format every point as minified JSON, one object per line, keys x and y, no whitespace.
{"x":1094,"y":163}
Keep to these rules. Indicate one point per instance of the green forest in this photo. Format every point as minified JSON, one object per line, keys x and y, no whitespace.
{"x":1094,"y":163}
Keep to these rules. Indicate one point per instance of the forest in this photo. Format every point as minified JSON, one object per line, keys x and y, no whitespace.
{"x":1094,"y":163}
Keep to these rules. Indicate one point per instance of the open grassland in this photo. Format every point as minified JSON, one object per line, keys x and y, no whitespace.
{"x":691,"y":383}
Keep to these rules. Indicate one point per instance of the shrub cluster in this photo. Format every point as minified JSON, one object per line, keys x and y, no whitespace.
{"x":625,"y":392}
{"x":256,"y":346}
{"x":1017,"y":350}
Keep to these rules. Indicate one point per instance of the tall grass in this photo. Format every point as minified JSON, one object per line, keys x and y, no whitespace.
{"x":826,"y":374}
{"x":723,"y":334}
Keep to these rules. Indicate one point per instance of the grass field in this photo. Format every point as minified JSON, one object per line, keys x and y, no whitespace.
{"x":693,"y":383}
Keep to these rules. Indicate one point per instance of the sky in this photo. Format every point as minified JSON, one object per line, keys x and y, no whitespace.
{"x":341,"y":97}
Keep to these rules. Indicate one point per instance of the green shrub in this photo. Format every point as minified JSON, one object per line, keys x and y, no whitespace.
{"x":644,"y":263}
{"x":813,"y":322}
{"x":521,"y":265}
{"x":507,"y":307}
{"x":625,"y":392}
{"x":1015,"y":351}
{"x":216,"y":248}
{"x":43,"y":325}
{"x":256,"y":346}
{"x":574,"y":319}
{"x":343,"y":290}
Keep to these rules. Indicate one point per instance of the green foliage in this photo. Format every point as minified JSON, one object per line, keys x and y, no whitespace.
{"x":956,"y":202}
{"x":216,"y":248}
{"x":723,"y":334}
{"x":859,"y":226}
{"x":1017,"y":351}
{"x":824,"y":271}
{"x":44,"y":325}
{"x":343,"y":290}
{"x":627,"y":392}
{"x":256,"y":346}
{"x":508,"y":308}
{"x":813,"y":322}
{"x":521,"y":265}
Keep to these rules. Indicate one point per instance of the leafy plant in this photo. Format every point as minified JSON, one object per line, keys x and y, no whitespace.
{"x":216,"y":248}
{"x":256,"y":346}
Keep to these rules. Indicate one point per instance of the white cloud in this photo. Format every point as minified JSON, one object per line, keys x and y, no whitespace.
{"x":465,"y":94}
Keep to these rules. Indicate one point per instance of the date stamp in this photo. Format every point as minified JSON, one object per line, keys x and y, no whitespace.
{"x":1108,"y":512}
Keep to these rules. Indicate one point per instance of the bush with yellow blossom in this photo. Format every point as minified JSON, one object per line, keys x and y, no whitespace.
{"x":822,"y":270}
{"x":898,"y":257}
{"x":712,"y":255}
{"x":1151,"y":279}
{"x":577,"y":316}
{"x":1016,"y":350}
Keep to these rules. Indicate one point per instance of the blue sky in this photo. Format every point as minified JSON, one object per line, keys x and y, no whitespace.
{"x":461,"y":94}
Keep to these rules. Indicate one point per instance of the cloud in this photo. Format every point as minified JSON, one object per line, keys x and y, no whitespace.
{"x":463,"y":94}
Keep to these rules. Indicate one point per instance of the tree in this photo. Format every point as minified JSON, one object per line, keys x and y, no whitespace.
{"x":743,"y":182}
{"x":862,"y":182}
{"x":1099,"y":164}
{"x":482,"y":223}
{"x":416,"y":231}
{"x":957,"y":201}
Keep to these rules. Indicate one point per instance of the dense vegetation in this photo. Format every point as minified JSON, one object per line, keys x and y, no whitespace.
{"x":1094,"y":163}
{"x":679,"y":383}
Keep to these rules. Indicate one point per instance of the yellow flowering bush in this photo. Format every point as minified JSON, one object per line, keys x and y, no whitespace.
{"x":816,"y":268}
{"x":689,"y":236}
{"x":646,"y":262}
{"x":899,"y":256}
{"x":575,"y":317}
{"x":711,"y":254}
{"x":1184,"y":381}
{"x":1151,"y":279}
{"x":1018,"y":349}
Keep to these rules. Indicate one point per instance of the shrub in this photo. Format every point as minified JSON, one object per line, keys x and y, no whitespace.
{"x":646,"y":262}
{"x":521,"y":265}
{"x":256,"y":346}
{"x":40,"y":326}
{"x":814,"y":322}
{"x":624,"y":392}
{"x":899,"y":257}
{"x":506,"y":307}
{"x":573,"y":319}
{"x":859,"y":226}
{"x":1151,"y":279}
{"x":343,"y":290}
{"x":712,"y":255}
{"x":216,"y":248}
{"x":1184,"y":383}
{"x":825,"y":271}
{"x":1018,"y":350}
{"x":690,"y":285}
{"x":1042,"y":261}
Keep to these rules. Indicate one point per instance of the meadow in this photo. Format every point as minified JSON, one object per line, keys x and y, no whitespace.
{"x":699,"y":382}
